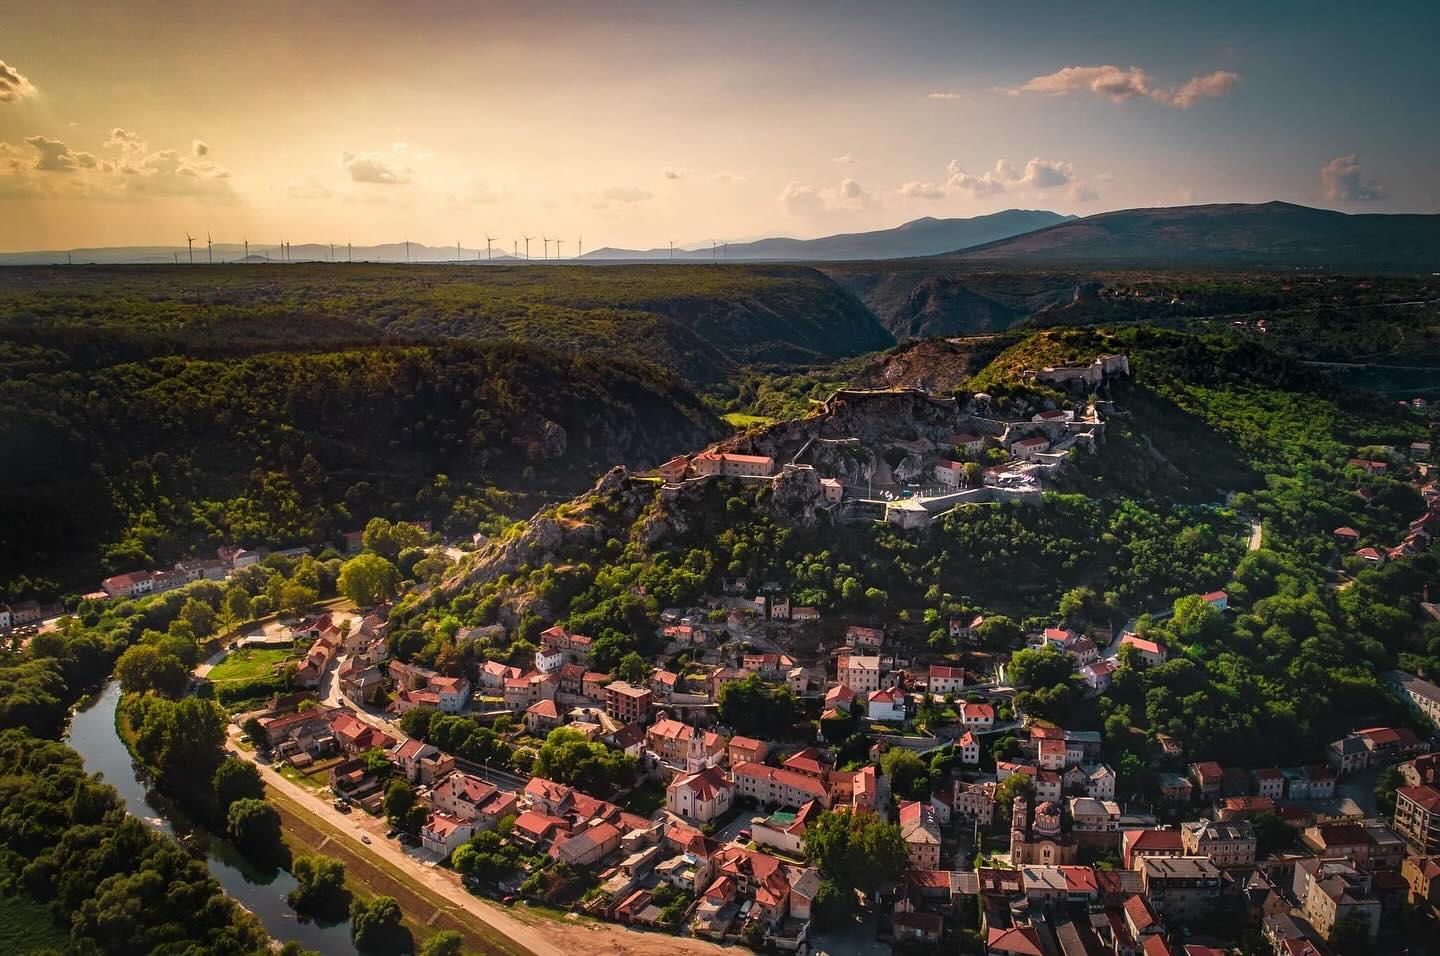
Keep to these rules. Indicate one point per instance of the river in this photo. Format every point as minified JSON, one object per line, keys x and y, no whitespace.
{"x":92,"y":735}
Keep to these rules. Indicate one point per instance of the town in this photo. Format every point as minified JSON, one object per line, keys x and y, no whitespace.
{"x":922,"y":792}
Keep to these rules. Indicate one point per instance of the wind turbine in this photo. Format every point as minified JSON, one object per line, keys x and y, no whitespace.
{"x":581,"y":253}
{"x":176,"y":256}
{"x":546,"y":254}
{"x":558,"y":242}
{"x":407,"y":250}
{"x":672,"y":249}
{"x":457,"y":250}
{"x":349,"y":253}
{"x":488,"y":239}
{"x":190,"y":244}
{"x":515,"y":248}
{"x":332,"y":252}
{"x":209,"y":249}
{"x":247,"y":247}
{"x":714,"y":250}
{"x":527,"y":247}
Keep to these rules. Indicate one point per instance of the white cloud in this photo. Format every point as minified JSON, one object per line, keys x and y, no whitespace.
{"x":804,"y":199}
{"x":55,"y":157}
{"x":131,"y":169}
{"x":923,"y":190}
{"x":1119,"y":85}
{"x":725,"y":176}
{"x":1343,"y":181}
{"x":1044,"y":174}
{"x":374,"y":169}
{"x":845,"y":159}
{"x":986,"y":184}
{"x":14,"y":86}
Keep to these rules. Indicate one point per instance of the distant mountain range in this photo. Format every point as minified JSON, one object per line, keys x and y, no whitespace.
{"x":1230,"y":234}
{"x":919,"y":237}
{"x":1273,"y":234}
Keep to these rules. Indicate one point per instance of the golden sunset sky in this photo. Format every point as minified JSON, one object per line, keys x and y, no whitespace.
{"x":633,"y":123}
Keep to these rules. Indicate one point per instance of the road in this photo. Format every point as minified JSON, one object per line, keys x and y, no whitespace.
{"x":547,"y":937}
{"x":1257,"y":530}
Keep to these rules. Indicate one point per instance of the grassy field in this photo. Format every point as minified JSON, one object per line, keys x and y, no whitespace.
{"x":742,"y":420}
{"x":26,"y":926}
{"x":367,"y":876}
{"x":248,"y":663}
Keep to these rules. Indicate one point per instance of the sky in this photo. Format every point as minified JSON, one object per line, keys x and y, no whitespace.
{"x":629,"y":123}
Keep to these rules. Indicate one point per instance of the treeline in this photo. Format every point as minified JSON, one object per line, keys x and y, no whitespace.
{"x":148,"y":462}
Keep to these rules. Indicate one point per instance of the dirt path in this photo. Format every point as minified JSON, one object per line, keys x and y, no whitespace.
{"x":540,"y":935}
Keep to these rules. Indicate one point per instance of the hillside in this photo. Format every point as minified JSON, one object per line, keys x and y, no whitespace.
{"x":1255,"y":235}
{"x":703,"y":322}
{"x":146,"y":462}
{"x":919,"y":237}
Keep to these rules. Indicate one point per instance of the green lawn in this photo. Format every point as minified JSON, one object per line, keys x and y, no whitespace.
{"x":742,"y":420}
{"x":248,"y":663}
{"x":645,"y":799}
{"x":25,"y":926}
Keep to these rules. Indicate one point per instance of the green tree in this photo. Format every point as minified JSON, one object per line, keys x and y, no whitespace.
{"x":254,"y":827}
{"x":567,"y":757}
{"x":319,"y":886}
{"x":144,"y":667}
{"x":368,"y":579}
{"x":237,"y":605}
{"x":1040,"y":669}
{"x":754,"y":707}
{"x":447,"y":942}
{"x":400,"y":800}
{"x":634,"y":669}
{"x":1015,"y":785}
{"x":388,"y":539}
{"x":199,"y":615}
{"x":856,"y":849}
{"x":377,"y":926}
{"x":295,"y":597}
{"x":909,"y":775}
{"x":236,"y":779}
{"x":998,"y":633}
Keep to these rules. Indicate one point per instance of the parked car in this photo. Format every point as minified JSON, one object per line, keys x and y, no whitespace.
{"x":744,"y":834}
{"x":391,"y":833}
{"x":365,"y":839}
{"x":507,"y":900}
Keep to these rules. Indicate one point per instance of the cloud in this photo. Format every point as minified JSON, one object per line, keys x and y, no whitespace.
{"x":13,"y":84}
{"x":725,"y":176}
{"x":199,"y":147}
{"x":919,"y":190}
{"x":845,"y":159}
{"x":805,"y":200}
{"x":127,"y":169}
{"x":1045,"y":174}
{"x":1218,"y":83}
{"x":986,"y":184}
{"x":370,"y":168}
{"x":673,"y":173}
{"x":1118,"y":86}
{"x":56,"y":157}
{"x":938,"y":95}
{"x":1343,"y":181}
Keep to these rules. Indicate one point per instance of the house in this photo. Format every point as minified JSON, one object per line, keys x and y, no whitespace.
{"x":1369,"y":467}
{"x":1208,"y":777}
{"x":965,"y":628}
{"x":921,"y":832}
{"x":918,"y":928}
{"x":627,"y":703}
{"x":974,"y":800}
{"x":785,"y":830}
{"x":471,"y":799}
{"x":779,"y":787}
{"x":745,"y":750}
{"x":885,"y":705}
{"x":677,"y":744}
{"x":1027,"y":449}
{"x":419,"y":762}
{"x":1226,"y":844}
{"x":1182,"y":887}
{"x":548,"y":660}
{"x":1348,"y":754}
{"x":454,"y":693}
{"x":977,"y":717}
{"x":587,"y":847}
{"x":1269,"y":782}
{"x":674,"y":469}
{"x":664,"y":683}
{"x":1372,"y":556}
{"x":967,"y":443}
{"x":1135,"y":845}
{"x":542,"y":717}
{"x":1013,"y":941}
{"x":730,"y":465}
{"x":1091,"y":816}
{"x":968,"y":747}
{"x":1346,"y":536}
{"x":444,"y":834}
{"x":360,"y":684}
{"x":949,"y":473}
{"x":1219,"y":600}
{"x":129,"y":585}
{"x":1337,"y":895}
{"x":864,"y":637}
{"x":832,"y":488}
{"x":493,"y":675}
{"x":860,"y":673}
{"x":945,"y":681}
{"x":839,"y":699}
{"x":1417,"y":817}
{"x":1099,"y":675}
{"x":701,"y":796}
{"x":1148,"y":652}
